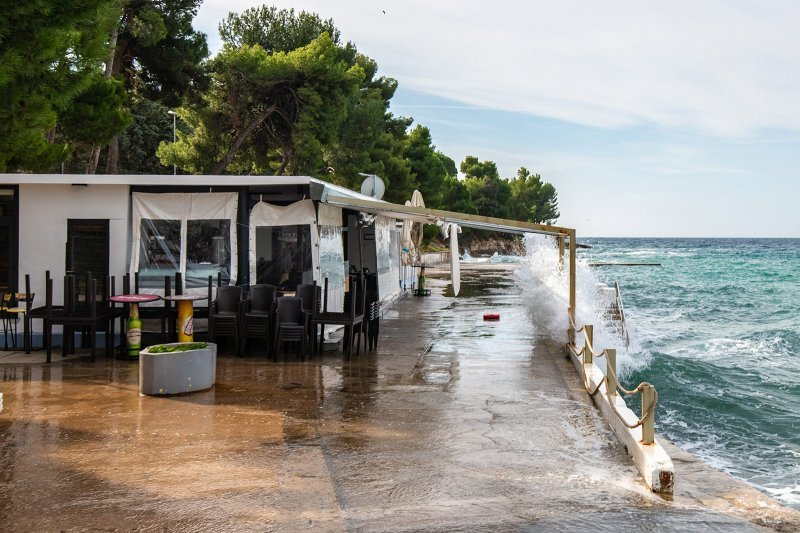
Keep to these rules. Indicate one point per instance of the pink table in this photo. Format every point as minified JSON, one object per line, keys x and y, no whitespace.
{"x":134,"y":322}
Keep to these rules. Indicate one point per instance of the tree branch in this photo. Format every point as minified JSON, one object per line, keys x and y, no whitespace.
{"x":219,"y":167}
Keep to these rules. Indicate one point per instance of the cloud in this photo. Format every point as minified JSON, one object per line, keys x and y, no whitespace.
{"x":725,"y":68}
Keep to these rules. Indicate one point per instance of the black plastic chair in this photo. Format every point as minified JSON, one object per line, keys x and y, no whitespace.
{"x":225,"y":319}
{"x":311,"y":298}
{"x":259,"y":310}
{"x":290,"y":323}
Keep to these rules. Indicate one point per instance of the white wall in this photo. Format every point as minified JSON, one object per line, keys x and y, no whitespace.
{"x":43,"y":213}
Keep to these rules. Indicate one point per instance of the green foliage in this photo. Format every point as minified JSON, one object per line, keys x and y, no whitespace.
{"x":275,"y":30}
{"x":137,"y":144}
{"x":50,"y":53}
{"x":158,"y":52}
{"x":368,"y":139}
{"x":427,"y":165}
{"x":97,"y":114}
{"x":533,"y":200}
{"x":266,"y":111}
{"x":490,"y":194}
{"x":176,"y":348}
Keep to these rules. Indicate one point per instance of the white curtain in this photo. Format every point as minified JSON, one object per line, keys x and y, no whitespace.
{"x":296,"y":214}
{"x":184,"y":207}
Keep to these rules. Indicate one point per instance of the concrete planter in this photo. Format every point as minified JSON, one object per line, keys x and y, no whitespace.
{"x":162,"y":374}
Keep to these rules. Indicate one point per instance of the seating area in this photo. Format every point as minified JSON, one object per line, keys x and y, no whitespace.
{"x":257,"y":318}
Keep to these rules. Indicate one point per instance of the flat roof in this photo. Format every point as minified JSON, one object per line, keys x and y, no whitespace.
{"x":168,"y":180}
{"x":319,"y":190}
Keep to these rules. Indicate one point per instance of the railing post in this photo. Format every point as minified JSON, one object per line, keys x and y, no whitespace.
{"x":589,"y":340}
{"x":570,"y":331}
{"x":560,"y":250}
{"x":611,"y":372}
{"x":648,"y":424}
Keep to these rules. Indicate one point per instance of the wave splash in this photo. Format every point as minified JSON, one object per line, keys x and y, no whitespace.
{"x":546,"y":287}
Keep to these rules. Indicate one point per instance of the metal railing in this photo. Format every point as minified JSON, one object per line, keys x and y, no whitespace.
{"x":621,"y":310}
{"x":587,"y":355}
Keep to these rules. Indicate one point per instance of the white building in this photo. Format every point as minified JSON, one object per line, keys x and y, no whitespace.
{"x":244,"y":229}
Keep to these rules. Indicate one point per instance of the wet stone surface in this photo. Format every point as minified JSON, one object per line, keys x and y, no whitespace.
{"x":453,"y":423}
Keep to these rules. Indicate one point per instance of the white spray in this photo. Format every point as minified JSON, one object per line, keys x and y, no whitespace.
{"x":546,"y":288}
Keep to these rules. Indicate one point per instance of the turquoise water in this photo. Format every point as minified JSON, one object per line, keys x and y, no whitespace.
{"x":716,"y":329}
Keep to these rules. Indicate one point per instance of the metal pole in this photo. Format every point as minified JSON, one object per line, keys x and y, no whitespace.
{"x":648,"y":424}
{"x":174,"y":120}
{"x":611,"y":372}
{"x":572,"y":259}
{"x":589,"y":340}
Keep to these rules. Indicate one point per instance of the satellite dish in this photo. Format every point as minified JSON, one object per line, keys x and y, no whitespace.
{"x":373,"y":186}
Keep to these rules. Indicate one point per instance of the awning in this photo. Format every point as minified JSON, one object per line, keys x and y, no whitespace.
{"x":427,"y":215}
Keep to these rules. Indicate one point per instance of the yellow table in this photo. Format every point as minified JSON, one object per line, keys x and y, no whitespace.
{"x":185,"y":314}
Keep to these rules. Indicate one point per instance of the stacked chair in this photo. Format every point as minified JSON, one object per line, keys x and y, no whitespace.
{"x":226,"y":313}
{"x":259,"y":313}
{"x":290,"y":323}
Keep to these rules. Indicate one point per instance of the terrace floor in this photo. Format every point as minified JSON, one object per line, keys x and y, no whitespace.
{"x":451,"y":424}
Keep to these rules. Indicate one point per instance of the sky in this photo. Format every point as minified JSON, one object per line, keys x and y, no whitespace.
{"x":651,"y":118}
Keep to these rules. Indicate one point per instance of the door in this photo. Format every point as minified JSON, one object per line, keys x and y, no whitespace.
{"x":87,"y":251}
{"x":8,"y":239}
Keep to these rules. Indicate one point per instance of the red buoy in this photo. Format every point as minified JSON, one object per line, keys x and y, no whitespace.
{"x":491,"y":316}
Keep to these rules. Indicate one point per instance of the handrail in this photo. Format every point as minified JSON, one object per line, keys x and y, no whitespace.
{"x":621,"y":309}
{"x":646,"y":389}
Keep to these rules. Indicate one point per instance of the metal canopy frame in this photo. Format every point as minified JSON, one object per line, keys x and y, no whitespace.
{"x":427,"y":215}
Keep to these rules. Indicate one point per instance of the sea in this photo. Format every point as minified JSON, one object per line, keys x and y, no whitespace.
{"x":715,"y":328}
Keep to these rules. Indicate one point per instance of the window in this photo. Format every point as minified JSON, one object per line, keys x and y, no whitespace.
{"x":192,"y":233}
{"x":283,"y":256}
{"x":208,"y":251}
{"x":159,"y":252}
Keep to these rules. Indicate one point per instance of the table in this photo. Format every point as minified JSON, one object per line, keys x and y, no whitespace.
{"x":185,"y":314}
{"x":134,"y":327}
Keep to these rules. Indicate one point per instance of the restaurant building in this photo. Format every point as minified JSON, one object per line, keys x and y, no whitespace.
{"x":242,"y":229}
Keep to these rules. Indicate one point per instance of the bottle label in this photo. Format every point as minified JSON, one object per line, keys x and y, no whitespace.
{"x":135,"y":338}
{"x":188,"y":326}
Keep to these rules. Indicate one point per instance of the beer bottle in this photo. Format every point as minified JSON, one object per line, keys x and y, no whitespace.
{"x":134,"y":331}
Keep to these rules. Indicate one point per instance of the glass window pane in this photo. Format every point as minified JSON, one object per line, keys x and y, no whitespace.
{"x":283,"y":256}
{"x":159,"y":251}
{"x":331,"y":265}
{"x":208,"y":251}
{"x":383,"y":243}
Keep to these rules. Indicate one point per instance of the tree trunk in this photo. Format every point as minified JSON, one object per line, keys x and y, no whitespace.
{"x":94,"y":159}
{"x":112,"y":158}
{"x":218,"y":168}
{"x":284,"y":161}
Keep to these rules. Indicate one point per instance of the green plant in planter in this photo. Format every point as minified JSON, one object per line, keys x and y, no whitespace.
{"x":172,"y":348}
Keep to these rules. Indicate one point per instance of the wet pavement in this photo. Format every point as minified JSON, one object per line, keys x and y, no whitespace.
{"x":453,"y":423}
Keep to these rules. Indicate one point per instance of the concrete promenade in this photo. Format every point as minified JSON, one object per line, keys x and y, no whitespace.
{"x":451,"y":424}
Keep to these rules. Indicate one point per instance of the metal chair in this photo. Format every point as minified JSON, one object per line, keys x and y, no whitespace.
{"x":372,"y":320}
{"x":74,"y":316}
{"x":259,"y":310}
{"x":159,"y":312}
{"x":5,"y":315}
{"x":290,"y":323}
{"x":226,"y":313}
{"x":351,"y":318}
